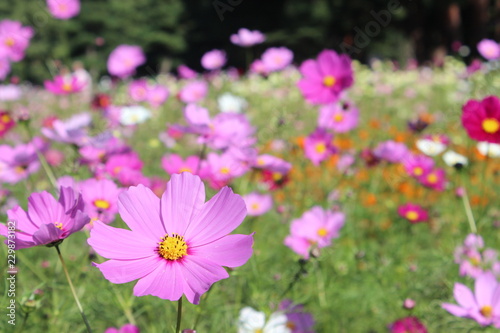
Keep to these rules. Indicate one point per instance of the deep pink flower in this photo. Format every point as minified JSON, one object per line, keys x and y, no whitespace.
{"x":174,"y":163}
{"x":64,"y":9}
{"x":246,"y":38}
{"x":435,"y":179}
{"x":258,"y":204}
{"x":127,"y":328}
{"x":185,"y":72}
{"x":47,"y":220}
{"x":222,"y":169}
{"x":124,"y":59}
{"x":413,"y":213}
{"x":318,"y":146}
{"x":6,"y":123}
{"x":177,"y":244}
{"x":214,"y":59}
{"x":193,"y":92}
{"x":339,"y":117}
{"x":100,"y":198}
{"x":314,"y":229}
{"x":408,"y":325}
{"x":62,"y":85}
{"x":489,"y":49}
{"x":258,"y":67}
{"x":418,"y":165}
{"x":14,"y":39}
{"x":481,"y":119}
{"x":482,"y":306}
{"x":325,"y":78}
{"x":276,"y":58}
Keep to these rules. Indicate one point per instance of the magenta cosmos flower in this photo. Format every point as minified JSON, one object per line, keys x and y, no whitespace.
{"x":391,"y":151}
{"x":214,"y":59}
{"x":247,"y":38}
{"x":64,"y":85}
{"x":413,"y":213}
{"x":435,"y":179}
{"x":408,"y":325}
{"x":193,"y":92}
{"x":489,"y":49}
{"x":101,"y":199}
{"x":325,"y":78}
{"x":123,"y":61}
{"x":483,"y":305}
{"x":316,"y":228}
{"x":481,"y":119}
{"x":318,"y":146}
{"x":127,"y":328}
{"x":14,"y":39}
{"x":47,"y":220}
{"x":258,"y":204}
{"x":339,"y":117}
{"x":276,"y":58}
{"x":418,"y":165}
{"x":174,"y":163}
{"x":177,"y":244}
{"x":64,"y":9}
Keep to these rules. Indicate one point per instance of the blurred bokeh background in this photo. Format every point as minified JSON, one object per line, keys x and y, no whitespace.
{"x":175,"y":31}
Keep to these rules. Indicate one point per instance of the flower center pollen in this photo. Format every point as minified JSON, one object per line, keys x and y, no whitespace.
{"x":102,"y":204}
{"x":487,"y":311}
{"x":418,"y":171}
{"x":320,"y":148}
{"x":491,"y":125}
{"x":322,"y":232}
{"x":329,"y":81}
{"x":412,"y":215}
{"x":172,"y":247}
{"x":338,"y":117}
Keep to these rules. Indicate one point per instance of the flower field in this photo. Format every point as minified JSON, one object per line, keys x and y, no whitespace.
{"x":322,"y":196}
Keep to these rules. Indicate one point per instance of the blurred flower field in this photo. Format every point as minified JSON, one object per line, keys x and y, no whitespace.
{"x":360,"y":198}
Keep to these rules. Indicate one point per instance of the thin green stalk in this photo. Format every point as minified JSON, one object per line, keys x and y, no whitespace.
{"x":468,"y":211}
{"x":73,"y":290}
{"x":25,"y":319}
{"x":179,"y":316}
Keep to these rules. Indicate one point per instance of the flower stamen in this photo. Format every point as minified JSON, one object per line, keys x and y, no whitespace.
{"x":172,"y":247}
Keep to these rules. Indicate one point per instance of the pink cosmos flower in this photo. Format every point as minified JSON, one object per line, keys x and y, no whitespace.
{"x":177,"y":244}
{"x":14,"y":39}
{"x":481,"y":119}
{"x":230,"y":129}
{"x":157,"y":95}
{"x":318,"y":146}
{"x":193,"y":92}
{"x":325,"y":78}
{"x":47,"y":220}
{"x":339,"y":117}
{"x":391,"y":151}
{"x":413,"y":213}
{"x":174,"y":163}
{"x":258,"y":204}
{"x":408,"y":325}
{"x":272,"y":163}
{"x":315,"y":229}
{"x":214,"y":59}
{"x":299,"y":321}
{"x":62,"y":85}
{"x":222,"y":169}
{"x":124,"y":59}
{"x":436,"y":179}
{"x":72,"y":130}
{"x":247,"y":38}
{"x":489,"y":49}
{"x":64,"y":9}
{"x":483,"y":305}
{"x":101,"y":199}
{"x":277,"y":58}
{"x":185,"y":72}
{"x":418,"y":165}
{"x":127,"y":328}
{"x":17,"y":163}
{"x":474,"y":259}
{"x":138,"y":90}
{"x":6,"y":123}
{"x":258,"y":67}
{"x":4,"y":68}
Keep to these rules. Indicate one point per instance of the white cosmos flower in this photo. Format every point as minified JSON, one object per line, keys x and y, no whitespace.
{"x":253,"y":321}
{"x":452,"y":158}
{"x":132,"y":115}
{"x":430,"y":147}
{"x":490,"y":149}
{"x":10,"y":92}
{"x":231,"y":103}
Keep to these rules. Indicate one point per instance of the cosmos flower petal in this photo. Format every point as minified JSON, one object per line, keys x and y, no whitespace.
{"x":165,"y":282}
{"x":455,"y":310}
{"x":126,"y":244}
{"x":230,"y":251}
{"x":139,"y":207}
{"x":37,"y":208}
{"x":22,"y":221}
{"x":485,"y":286}
{"x":122,"y":271}
{"x":218,"y":217}
{"x":199,"y":275}
{"x":182,"y":200}
{"x":464,"y":296}
{"x":47,"y":234}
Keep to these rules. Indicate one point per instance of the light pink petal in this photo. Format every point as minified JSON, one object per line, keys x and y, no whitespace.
{"x":47,"y":233}
{"x":230,"y":251}
{"x":22,"y":221}
{"x":182,"y":201}
{"x":455,"y":310}
{"x":115,"y":243}
{"x":464,"y":296}
{"x":164,"y":282}
{"x":199,"y":274}
{"x":122,"y":271}
{"x":218,"y":217}
{"x":485,"y":287}
{"x":139,"y":207}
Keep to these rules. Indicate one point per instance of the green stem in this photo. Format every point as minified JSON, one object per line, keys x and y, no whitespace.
{"x":179,"y":316}
{"x":468,"y":211}
{"x":25,"y":319}
{"x":73,"y":290}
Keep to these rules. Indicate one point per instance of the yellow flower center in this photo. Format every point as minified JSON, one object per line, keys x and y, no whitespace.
{"x":117,"y":169}
{"x":418,"y":171}
{"x":6,"y":118}
{"x":261,"y":161}
{"x":277,"y":176}
{"x":487,"y":311}
{"x":338,"y":117}
{"x":224,"y":170}
{"x":475,"y":262}
{"x":329,"y":81}
{"x":258,"y":330}
{"x":491,"y":125}
{"x":10,"y":42}
{"x":20,"y":169}
{"x":66,"y":87}
{"x":254,"y":206}
{"x":412,"y":215}
{"x":172,"y":247}
{"x":102,"y":204}
{"x":185,"y":169}
{"x":291,"y":325}
{"x":432,"y":178}
{"x":58,"y":225}
{"x":320,"y":148}
{"x":322,"y":232}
